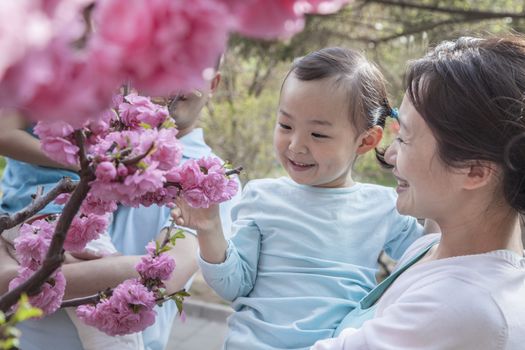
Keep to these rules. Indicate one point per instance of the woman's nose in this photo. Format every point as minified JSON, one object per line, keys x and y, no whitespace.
{"x":391,"y":154}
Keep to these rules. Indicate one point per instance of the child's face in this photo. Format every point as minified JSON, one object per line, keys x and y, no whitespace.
{"x":314,"y":139}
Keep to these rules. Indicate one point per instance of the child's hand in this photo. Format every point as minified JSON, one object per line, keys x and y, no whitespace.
{"x":200,"y":219}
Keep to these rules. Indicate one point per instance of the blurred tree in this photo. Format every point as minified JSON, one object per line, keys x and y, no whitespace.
{"x":240,"y":121}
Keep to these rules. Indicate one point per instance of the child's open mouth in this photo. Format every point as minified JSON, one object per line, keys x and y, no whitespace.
{"x":300,"y":166}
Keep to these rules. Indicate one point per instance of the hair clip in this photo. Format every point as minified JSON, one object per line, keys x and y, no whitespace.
{"x":394,"y":113}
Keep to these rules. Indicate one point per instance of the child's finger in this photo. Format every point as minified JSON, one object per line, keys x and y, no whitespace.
{"x":175,"y":213}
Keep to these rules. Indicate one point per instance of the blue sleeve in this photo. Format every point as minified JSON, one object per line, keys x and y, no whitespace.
{"x":226,"y":211}
{"x":236,"y":276}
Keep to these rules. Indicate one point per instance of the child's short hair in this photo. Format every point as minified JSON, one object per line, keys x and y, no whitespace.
{"x":362,"y":80}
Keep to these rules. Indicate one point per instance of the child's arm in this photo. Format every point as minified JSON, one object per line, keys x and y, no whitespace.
{"x":229,"y":267}
{"x":16,"y":143}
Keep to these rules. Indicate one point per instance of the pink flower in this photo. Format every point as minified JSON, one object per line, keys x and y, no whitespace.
{"x":56,"y":83}
{"x":50,"y":296}
{"x":172,"y":34}
{"x":94,"y":205}
{"x":144,"y":181}
{"x":53,"y":129}
{"x":267,"y":19}
{"x":191,"y":174}
{"x":169,"y":149}
{"x":156,"y":267}
{"x":106,"y":171}
{"x":60,"y":150}
{"x":151,"y":248}
{"x":232,"y":186}
{"x":32,"y":245}
{"x":211,"y":164}
{"x":128,"y":310}
{"x":324,"y":7}
{"x":140,"y":109}
{"x":40,"y":227}
{"x":23,"y":27}
{"x":83,"y":230}
{"x":270,"y":19}
{"x":196,"y":198}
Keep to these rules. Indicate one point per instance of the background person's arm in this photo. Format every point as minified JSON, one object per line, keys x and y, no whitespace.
{"x":17,"y":143}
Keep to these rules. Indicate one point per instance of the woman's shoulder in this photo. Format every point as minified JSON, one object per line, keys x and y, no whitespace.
{"x":420,"y":244}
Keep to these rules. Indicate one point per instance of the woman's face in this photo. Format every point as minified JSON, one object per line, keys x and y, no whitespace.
{"x":426,"y":188}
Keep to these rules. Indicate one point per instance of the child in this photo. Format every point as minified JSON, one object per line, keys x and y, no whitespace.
{"x":305,"y":247}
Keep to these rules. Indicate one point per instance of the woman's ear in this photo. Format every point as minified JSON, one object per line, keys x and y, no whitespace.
{"x":479,"y":174}
{"x":370,"y":139}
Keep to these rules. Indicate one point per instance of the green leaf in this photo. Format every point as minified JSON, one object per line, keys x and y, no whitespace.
{"x":168,"y":124}
{"x":142,"y":165}
{"x":164,"y":249}
{"x":25,"y":310}
{"x":177,"y":235}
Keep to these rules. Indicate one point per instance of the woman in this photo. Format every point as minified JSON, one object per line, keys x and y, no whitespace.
{"x":459,"y":159}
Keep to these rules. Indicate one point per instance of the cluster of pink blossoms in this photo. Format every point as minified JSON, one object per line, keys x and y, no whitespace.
{"x":31,"y":247}
{"x":203,"y":182}
{"x":55,"y":67}
{"x":135,"y":155}
{"x":33,"y":243}
{"x":129,"y":309}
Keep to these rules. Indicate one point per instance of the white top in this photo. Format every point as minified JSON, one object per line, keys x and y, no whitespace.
{"x":472,"y":302}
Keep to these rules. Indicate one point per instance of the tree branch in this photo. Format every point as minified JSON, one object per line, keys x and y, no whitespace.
{"x":55,"y":255}
{"x":449,"y":10}
{"x":92,"y":299}
{"x":65,"y":185}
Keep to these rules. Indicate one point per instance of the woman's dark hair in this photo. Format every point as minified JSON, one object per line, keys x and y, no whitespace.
{"x":471,"y":93}
{"x":361,"y":79}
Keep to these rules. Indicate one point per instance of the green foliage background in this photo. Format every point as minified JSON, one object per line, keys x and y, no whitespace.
{"x":239,"y":122}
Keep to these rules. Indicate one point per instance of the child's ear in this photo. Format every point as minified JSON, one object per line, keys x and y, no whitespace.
{"x":370,"y":139}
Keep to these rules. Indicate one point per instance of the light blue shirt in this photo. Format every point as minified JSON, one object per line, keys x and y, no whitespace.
{"x":302,"y":257}
{"x":130,"y":231}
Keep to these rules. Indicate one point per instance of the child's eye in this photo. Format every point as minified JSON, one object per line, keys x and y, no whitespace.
{"x":284,"y":126}
{"x":319,"y":136}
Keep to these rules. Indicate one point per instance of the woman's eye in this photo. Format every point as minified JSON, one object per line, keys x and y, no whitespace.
{"x":319,"y":136}
{"x":400,"y":140}
{"x":284,"y":126}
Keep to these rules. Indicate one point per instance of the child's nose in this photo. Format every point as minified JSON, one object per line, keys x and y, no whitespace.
{"x":297,"y":145}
